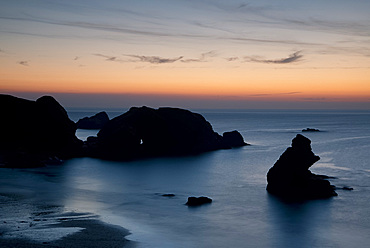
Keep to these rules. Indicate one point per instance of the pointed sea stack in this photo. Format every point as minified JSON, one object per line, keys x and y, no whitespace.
{"x":291,"y":178}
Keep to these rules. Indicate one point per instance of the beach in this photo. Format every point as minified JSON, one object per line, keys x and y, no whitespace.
{"x":27,"y":224}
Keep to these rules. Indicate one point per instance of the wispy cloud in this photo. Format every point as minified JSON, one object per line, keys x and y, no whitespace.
{"x":153,"y":59}
{"x":277,"y":94}
{"x":108,"y":57}
{"x":23,"y":62}
{"x":232,"y":59}
{"x":202,"y":58}
{"x":290,"y":59}
{"x":134,"y":58}
{"x":104,"y":27}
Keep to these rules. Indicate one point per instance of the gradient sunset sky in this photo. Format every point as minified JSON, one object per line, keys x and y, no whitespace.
{"x":188,"y":53}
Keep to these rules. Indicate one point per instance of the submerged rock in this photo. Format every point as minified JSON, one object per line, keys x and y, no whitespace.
{"x":233,"y":139}
{"x":33,"y":131}
{"x":146,"y":132}
{"x":290,"y":176}
{"x":93,"y":122}
{"x":197,"y":201}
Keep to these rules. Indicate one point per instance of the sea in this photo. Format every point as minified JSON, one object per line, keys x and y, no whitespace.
{"x":242,"y":214}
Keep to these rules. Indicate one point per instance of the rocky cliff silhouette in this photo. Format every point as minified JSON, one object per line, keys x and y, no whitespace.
{"x":36,"y":132}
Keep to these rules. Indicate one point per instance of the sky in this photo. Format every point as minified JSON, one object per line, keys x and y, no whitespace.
{"x":188,"y":53}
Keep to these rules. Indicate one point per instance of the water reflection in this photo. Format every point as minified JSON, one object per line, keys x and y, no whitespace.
{"x":300,"y":224}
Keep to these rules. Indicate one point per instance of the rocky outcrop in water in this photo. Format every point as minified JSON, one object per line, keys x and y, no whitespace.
{"x":310,"y":130}
{"x":198,"y":201}
{"x":94,"y":122}
{"x":146,"y":132}
{"x":32,"y":132}
{"x":233,"y":139}
{"x":291,"y":178}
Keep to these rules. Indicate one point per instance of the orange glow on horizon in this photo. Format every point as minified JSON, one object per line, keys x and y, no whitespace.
{"x":257,"y":83}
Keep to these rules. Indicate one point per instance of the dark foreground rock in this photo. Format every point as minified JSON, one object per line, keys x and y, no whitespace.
{"x":234,"y":139}
{"x":291,"y":178}
{"x":197,"y":201}
{"x":35,"y":132}
{"x":94,"y":122}
{"x":146,"y":132}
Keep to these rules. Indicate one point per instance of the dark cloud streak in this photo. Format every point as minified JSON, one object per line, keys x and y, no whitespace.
{"x":202,"y":58}
{"x":290,"y":59}
{"x":153,"y":59}
{"x":108,"y":58}
{"x":23,"y":62}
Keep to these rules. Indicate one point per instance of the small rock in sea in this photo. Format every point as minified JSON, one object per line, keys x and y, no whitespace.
{"x":310,"y":130}
{"x":347,"y":188}
{"x":168,"y":195}
{"x":344,"y":188}
{"x":233,"y":139}
{"x":197,"y":201}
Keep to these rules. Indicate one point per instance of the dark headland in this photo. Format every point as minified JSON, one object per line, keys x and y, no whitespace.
{"x":40,"y":132}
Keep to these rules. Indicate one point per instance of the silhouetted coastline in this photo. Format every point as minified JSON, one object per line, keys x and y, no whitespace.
{"x":35,"y":133}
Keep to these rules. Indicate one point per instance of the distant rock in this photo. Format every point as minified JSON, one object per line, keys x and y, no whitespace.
{"x":291,"y":178}
{"x":94,"y":122}
{"x":233,"y":139}
{"x":310,"y":130}
{"x":168,"y":195}
{"x":344,"y":188}
{"x":146,"y":132}
{"x":33,"y":132}
{"x":197,"y":201}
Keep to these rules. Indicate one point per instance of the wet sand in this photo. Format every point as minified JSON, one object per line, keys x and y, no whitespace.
{"x":24,"y":224}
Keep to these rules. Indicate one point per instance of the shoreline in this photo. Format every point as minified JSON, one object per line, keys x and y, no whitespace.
{"x":26,"y":225}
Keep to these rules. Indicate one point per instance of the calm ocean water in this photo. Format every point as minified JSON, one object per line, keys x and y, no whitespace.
{"x":242,"y":213}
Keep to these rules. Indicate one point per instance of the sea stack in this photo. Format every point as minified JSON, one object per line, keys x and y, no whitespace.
{"x":147,"y":132}
{"x":291,"y":178}
{"x":234,"y":139}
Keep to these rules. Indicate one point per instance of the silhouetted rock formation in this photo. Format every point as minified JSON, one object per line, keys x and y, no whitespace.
{"x":290,"y":176}
{"x":35,"y":131}
{"x":94,"y":122}
{"x":146,"y":132}
{"x":310,"y":130}
{"x":197,"y":201}
{"x":168,"y":195}
{"x":233,"y":139}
